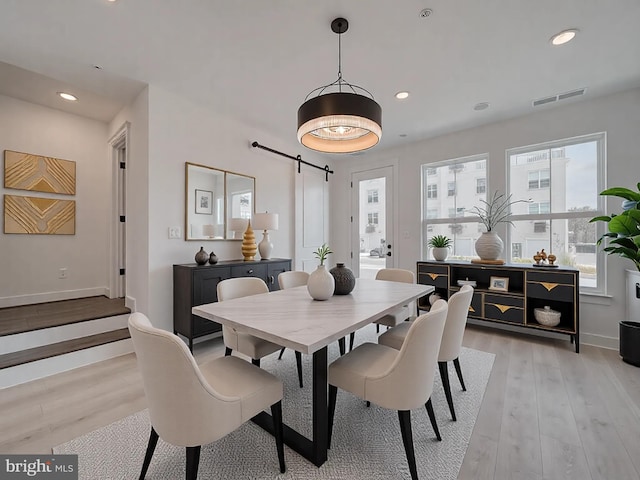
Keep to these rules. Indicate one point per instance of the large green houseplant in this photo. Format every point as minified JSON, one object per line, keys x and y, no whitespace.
{"x":623,"y":237}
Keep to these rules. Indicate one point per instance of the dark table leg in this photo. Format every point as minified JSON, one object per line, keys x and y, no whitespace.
{"x":314,"y":450}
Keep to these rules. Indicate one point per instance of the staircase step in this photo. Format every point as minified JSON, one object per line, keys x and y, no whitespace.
{"x":27,"y":318}
{"x":60,"y":348}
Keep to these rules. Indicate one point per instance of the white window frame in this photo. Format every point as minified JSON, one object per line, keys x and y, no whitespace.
{"x":601,"y":259}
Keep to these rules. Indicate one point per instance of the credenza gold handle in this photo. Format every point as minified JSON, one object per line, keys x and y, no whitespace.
{"x":503,"y":308}
{"x":434,"y":275}
{"x":471,"y":309}
{"x":548,"y":285}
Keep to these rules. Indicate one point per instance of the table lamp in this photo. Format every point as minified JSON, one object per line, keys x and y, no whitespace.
{"x":209,"y":231}
{"x":265,"y":221}
{"x":236,"y":225}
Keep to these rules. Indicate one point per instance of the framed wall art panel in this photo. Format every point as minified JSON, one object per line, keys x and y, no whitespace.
{"x":35,"y":215}
{"x":25,"y":171}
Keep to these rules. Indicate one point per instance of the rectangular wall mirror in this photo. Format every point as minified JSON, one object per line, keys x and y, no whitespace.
{"x":217,"y":203}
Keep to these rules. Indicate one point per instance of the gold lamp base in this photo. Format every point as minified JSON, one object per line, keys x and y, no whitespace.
{"x":249,"y":247}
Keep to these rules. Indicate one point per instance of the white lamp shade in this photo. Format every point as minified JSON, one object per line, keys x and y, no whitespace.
{"x":238,"y":224}
{"x":265,"y":221}
{"x":208,"y":230}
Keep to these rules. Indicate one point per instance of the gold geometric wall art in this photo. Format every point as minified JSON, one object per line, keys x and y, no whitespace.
{"x":35,"y":215}
{"x":24,"y":171}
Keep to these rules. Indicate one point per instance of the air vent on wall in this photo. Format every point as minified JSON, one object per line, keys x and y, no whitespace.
{"x":560,"y":96}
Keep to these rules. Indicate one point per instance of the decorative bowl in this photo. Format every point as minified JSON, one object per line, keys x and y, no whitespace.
{"x":546,"y":316}
{"x":466,"y":282}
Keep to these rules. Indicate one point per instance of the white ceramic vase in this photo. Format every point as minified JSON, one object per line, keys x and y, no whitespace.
{"x":489,"y":246}
{"x":321,"y":283}
{"x":440,"y":253}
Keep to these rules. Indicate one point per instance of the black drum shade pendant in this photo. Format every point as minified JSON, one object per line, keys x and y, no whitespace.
{"x":339,"y":121}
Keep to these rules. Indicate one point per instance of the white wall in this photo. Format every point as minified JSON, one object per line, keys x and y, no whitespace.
{"x":618,"y":115}
{"x":179,"y":132}
{"x":29,"y":264}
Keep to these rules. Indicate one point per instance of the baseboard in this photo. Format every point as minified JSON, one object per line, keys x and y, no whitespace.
{"x":28,"y":372}
{"x":585,"y":338}
{"x":33,"y":298}
{"x":130,"y":303}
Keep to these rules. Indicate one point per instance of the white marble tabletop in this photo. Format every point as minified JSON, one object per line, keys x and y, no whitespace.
{"x":291,"y":318}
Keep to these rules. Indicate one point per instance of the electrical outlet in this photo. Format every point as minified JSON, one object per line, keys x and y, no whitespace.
{"x":63,"y":273}
{"x":175,"y":232}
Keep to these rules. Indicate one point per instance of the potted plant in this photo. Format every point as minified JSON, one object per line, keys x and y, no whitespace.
{"x":440,"y":245}
{"x":321,"y":283}
{"x":623,"y":238}
{"x":493,"y":212}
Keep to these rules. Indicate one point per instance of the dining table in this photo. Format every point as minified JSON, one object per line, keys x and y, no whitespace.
{"x":292,"y":319}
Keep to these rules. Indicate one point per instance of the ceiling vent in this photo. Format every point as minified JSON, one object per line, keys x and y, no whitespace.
{"x":560,"y":96}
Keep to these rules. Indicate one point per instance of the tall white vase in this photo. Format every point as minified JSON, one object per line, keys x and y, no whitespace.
{"x":489,"y":246}
{"x":321,"y":283}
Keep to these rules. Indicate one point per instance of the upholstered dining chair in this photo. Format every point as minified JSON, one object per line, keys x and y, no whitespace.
{"x":191,"y":405}
{"x":399,"y":380}
{"x":250,"y":345}
{"x":451,"y":339}
{"x":290,"y":279}
{"x":401,"y":314}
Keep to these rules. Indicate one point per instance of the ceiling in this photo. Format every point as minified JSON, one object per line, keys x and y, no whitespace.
{"x":256,"y":61}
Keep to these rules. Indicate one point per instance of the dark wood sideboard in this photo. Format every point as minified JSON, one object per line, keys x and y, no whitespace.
{"x":529,"y":287}
{"x":195,"y":285}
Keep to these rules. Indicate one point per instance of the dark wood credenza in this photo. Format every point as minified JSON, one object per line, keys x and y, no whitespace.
{"x":529,"y":287}
{"x":196,"y":285}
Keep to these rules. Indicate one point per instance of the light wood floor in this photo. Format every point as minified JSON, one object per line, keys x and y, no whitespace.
{"x":548,"y":413}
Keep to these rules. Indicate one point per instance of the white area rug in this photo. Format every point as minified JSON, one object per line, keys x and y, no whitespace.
{"x":366,"y":442}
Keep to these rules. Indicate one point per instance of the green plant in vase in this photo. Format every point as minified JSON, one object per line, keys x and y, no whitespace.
{"x":623,"y":236}
{"x":322,"y":253}
{"x":321,"y":283}
{"x":440,"y":245}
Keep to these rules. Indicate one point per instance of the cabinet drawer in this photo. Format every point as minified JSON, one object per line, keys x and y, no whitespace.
{"x":475,"y":309}
{"x":551,"y":291}
{"x":551,"y":277}
{"x":503,"y":308}
{"x":438,"y":280}
{"x":253,"y":270}
{"x":431,"y":268}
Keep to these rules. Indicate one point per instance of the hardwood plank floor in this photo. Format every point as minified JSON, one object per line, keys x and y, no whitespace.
{"x":548,"y":413}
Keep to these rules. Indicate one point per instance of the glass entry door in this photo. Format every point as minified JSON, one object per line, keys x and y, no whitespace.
{"x":372,"y":221}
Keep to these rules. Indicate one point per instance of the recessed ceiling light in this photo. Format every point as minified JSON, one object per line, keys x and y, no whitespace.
{"x":481,"y":106}
{"x":564,"y":36}
{"x":402,"y":135}
{"x":68,"y":96}
{"x":402,"y":95}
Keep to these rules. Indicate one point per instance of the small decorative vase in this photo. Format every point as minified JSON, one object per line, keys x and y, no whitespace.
{"x":344,"y":279}
{"x":213,"y":258}
{"x":440,"y":253}
{"x":249,"y":247}
{"x":202,"y":257}
{"x":321,"y":284}
{"x":489,"y":246}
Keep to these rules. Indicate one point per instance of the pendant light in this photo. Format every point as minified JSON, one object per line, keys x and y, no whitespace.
{"x":342,"y":121}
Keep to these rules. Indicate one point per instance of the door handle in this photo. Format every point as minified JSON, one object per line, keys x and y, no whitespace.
{"x":388,"y":254}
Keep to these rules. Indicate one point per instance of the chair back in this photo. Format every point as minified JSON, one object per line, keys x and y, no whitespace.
{"x":292,"y":279}
{"x":395,"y":275}
{"x":240,"y":287}
{"x":184,"y":409}
{"x":408,"y":382}
{"x":455,"y":324}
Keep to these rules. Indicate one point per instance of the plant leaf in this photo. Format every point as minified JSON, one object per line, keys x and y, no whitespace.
{"x":603,"y":218}
{"x":622,"y":193}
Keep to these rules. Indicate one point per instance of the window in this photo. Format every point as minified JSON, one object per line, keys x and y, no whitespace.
{"x":481,"y":185}
{"x":372,"y":196}
{"x":445,"y":214}
{"x":538,"y":179}
{"x":372,"y":218}
{"x":539,"y":207}
{"x":562,"y":180}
